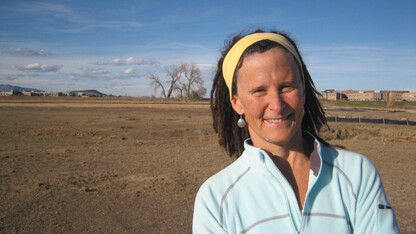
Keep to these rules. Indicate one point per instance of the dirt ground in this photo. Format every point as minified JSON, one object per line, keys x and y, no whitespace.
{"x":71,"y":165}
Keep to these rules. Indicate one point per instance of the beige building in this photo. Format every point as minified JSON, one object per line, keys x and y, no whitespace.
{"x":360,"y":96}
{"x":395,"y":95}
{"x":10,"y":93}
{"x":367,"y":95}
{"x":24,"y":93}
{"x":329,"y":96}
{"x":49,"y":94}
{"x":411,"y":97}
{"x":333,"y":95}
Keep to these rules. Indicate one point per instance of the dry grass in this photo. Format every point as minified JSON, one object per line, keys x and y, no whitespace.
{"x":133,"y":165}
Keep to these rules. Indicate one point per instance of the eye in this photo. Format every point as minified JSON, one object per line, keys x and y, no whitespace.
{"x":287,"y":88}
{"x":258,"y":92}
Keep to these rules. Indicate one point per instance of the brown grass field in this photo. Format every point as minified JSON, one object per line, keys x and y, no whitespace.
{"x":112,"y":165}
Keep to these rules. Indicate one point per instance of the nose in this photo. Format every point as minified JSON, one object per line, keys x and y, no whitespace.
{"x":276,"y":102}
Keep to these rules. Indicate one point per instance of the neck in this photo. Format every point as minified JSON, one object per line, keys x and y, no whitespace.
{"x":294,"y":163}
{"x":296,"y":151}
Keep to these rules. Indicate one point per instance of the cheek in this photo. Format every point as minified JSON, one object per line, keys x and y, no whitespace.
{"x":254,"y":108}
{"x":295,"y":100}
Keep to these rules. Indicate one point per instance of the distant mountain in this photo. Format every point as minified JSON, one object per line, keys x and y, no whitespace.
{"x":87,"y":92}
{"x":7,"y":88}
{"x":90,"y":92}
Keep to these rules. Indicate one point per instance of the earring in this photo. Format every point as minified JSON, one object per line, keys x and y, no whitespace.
{"x":241,"y":122}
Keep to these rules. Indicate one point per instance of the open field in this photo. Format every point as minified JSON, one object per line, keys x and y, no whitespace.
{"x":112,"y":165}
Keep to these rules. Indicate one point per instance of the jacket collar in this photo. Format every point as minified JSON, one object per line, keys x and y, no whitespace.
{"x":259,"y":157}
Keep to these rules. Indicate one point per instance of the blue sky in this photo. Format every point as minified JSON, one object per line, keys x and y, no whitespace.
{"x":113,"y":45}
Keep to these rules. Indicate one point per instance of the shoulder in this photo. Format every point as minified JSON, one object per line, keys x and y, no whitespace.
{"x":357,"y":168}
{"x":208,"y":206}
{"x":345,"y":159}
{"x":218,"y":184}
{"x":371,"y":210}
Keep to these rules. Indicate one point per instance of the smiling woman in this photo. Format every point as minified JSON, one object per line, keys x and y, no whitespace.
{"x":270,"y":96}
{"x":286,"y":178}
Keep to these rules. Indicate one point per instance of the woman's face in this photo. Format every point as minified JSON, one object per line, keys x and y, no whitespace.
{"x":270,"y":95}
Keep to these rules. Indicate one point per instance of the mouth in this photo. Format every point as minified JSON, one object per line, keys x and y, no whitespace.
{"x":278,"y":121}
{"x":275,"y":120}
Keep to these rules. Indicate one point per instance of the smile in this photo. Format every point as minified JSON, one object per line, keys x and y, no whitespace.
{"x":277,"y":121}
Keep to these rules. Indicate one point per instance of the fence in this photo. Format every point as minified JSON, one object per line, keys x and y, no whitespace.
{"x":364,"y":120}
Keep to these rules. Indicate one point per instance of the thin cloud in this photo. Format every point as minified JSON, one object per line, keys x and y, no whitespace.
{"x":126,"y":62}
{"x":358,"y":50}
{"x":361,"y":67}
{"x":129,"y":71}
{"x":348,"y":59}
{"x":178,"y":45}
{"x":16,"y":77}
{"x":38,"y":67}
{"x":78,"y":21}
{"x":28,"y":52}
{"x":49,"y":10}
{"x":91,"y":74}
{"x":43,"y":7}
{"x":96,"y":72}
{"x":206,"y":66}
{"x":118,"y":24}
{"x":100,"y":74}
{"x":8,"y":78}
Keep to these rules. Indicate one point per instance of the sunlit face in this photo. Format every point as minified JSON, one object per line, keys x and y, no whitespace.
{"x":270,"y":96}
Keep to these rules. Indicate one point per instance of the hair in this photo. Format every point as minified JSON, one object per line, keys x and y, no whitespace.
{"x":230,"y":136}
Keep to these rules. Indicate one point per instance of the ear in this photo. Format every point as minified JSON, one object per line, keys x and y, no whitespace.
{"x":236,"y":104}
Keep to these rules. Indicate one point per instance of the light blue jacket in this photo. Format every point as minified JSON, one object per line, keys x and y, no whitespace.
{"x":345,"y":195}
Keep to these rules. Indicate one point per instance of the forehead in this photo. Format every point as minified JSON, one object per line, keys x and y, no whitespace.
{"x":272,"y":59}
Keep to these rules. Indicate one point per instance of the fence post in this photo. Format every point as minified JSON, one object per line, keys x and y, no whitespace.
{"x":336,"y":119}
{"x":359,"y":119}
{"x":407,"y":122}
{"x":384,"y":122}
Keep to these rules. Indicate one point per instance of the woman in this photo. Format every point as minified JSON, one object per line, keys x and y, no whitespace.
{"x":286,"y":179}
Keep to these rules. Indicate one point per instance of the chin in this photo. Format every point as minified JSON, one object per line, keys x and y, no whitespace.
{"x":278,"y":140}
{"x":284,"y":137}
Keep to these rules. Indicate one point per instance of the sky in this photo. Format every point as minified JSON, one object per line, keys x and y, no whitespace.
{"x":113,"y":46}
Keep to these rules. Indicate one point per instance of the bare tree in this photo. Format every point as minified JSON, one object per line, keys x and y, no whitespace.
{"x":156,"y":83}
{"x":193,"y":80}
{"x":199,"y":93}
{"x":174,"y":74}
{"x":185,"y":80}
{"x":179,"y":89}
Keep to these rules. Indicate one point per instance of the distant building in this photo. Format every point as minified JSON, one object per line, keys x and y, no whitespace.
{"x":331,"y":94}
{"x":46,"y":94}
{"x":365,"y":95}
{"x":368,"y":95}
{"x":25,"y":93}
{"x":395,"y":95}
{"x":86,"y":93}
{"x":411,"y":97}
{"x":11,"y":93}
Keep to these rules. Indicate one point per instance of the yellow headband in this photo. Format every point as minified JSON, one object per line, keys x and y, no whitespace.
{"x":233,"y":56}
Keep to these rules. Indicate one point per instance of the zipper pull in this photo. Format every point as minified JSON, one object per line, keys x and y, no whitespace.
{"x":381,"y":206}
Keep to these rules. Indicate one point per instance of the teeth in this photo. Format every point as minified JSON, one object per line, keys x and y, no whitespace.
{"x":275,"y":120}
